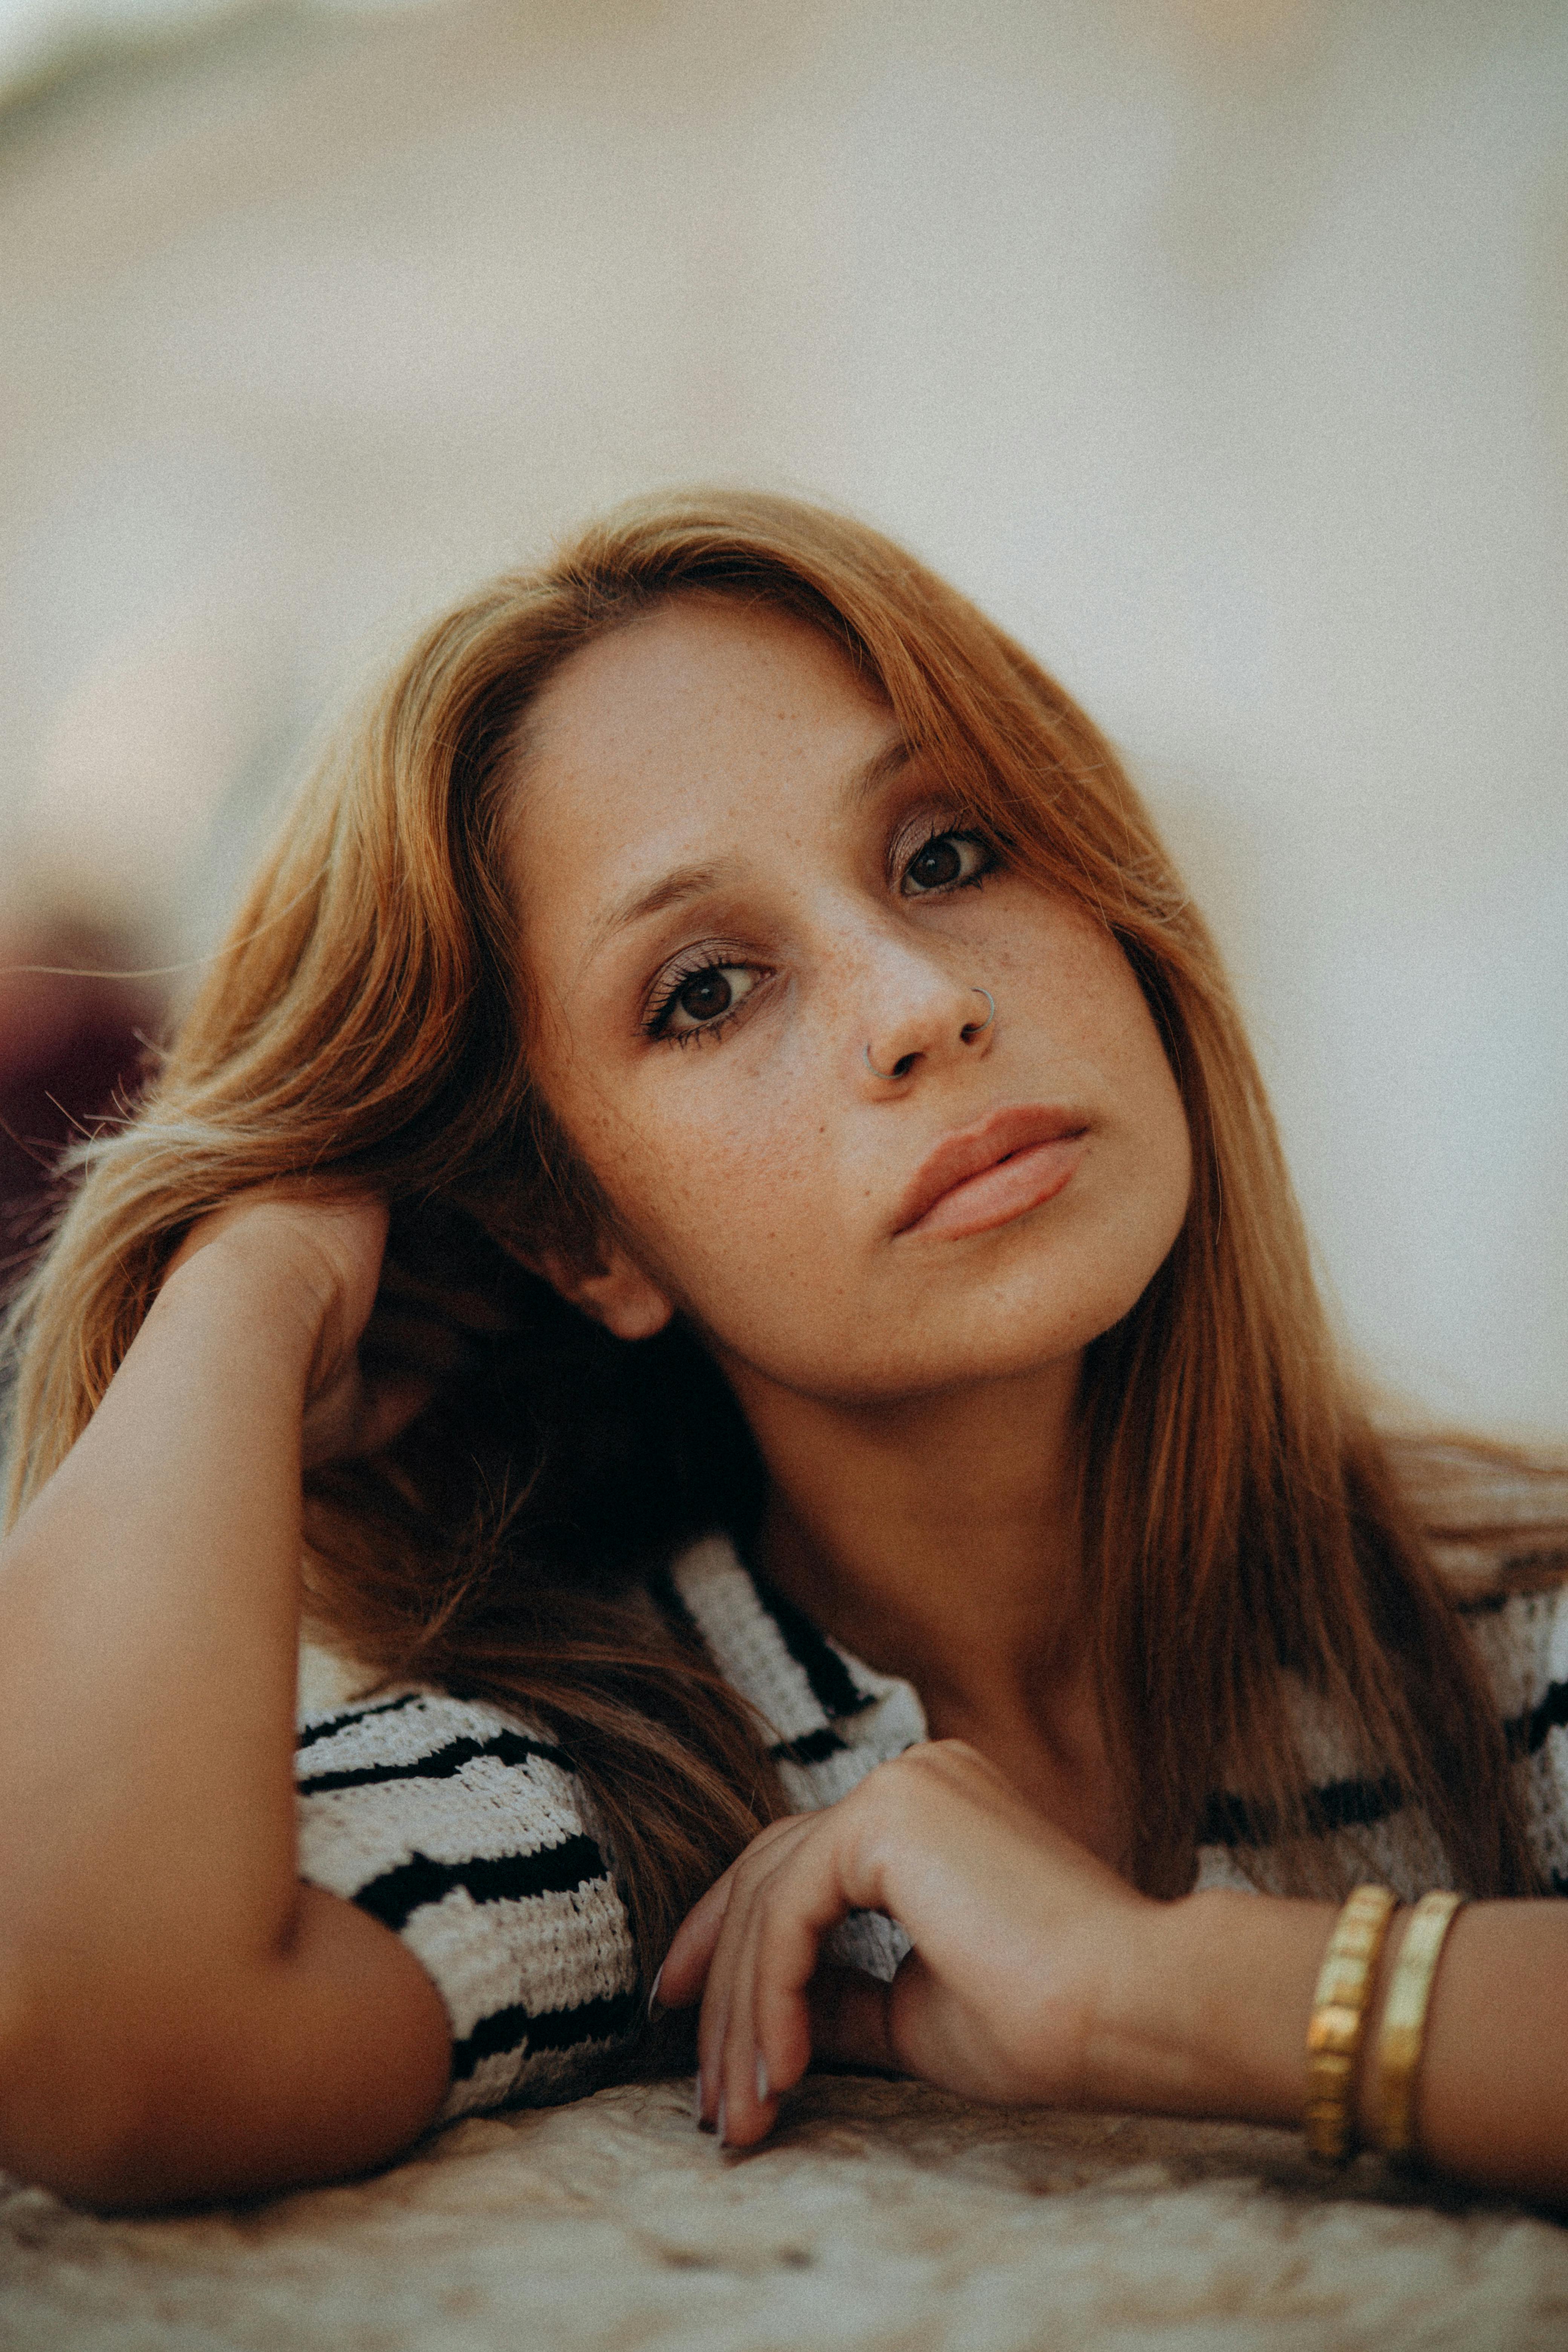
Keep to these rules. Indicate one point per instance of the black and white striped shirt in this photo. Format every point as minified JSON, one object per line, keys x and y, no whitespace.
{"x":472,"y":1836}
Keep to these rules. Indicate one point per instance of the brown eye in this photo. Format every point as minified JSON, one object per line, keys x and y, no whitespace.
{"x":938,"y":862}
{"x":950,"y":858}
{"x":705,"y":995}
{"x":704,"y":999}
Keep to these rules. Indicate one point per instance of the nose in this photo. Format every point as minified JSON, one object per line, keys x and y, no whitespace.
{"x":948,"y":1020}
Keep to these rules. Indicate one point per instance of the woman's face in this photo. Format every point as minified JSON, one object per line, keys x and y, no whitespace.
{"x":762,"y":943}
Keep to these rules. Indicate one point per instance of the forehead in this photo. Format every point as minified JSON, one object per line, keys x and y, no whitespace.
{"x":699,"y":693}
{"x":697,"y":733}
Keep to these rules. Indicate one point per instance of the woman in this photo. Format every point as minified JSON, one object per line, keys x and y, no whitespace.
{"x":719,"y":1145}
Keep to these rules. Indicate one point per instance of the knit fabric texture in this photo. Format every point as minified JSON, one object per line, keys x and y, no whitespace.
{"x":468,"y":1831}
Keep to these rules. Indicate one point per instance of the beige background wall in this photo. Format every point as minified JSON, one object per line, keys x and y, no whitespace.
{"x":1218,"y":348}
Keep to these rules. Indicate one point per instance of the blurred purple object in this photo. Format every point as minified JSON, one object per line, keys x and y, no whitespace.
{"x":73,"y":1051}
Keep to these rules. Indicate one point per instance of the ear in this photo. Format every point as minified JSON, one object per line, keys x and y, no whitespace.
{"x":617,"y":1292}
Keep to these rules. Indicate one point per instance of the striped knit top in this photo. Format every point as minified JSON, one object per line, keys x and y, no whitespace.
{"x":470,"y":1835}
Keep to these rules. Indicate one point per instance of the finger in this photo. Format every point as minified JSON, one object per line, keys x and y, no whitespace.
{"x":690,"y":1953}
{"x":804,"y":1888}
{"x":730,"y":2087}
{"x":680,"y":1980}
{"x":724,"y":2094}
{"x":754,"y":2069}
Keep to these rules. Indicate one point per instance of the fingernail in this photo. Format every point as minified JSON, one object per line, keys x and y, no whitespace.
{"x":762,"y":2093}
{"x":721,"y":2123}
{"x":654,"y":2010}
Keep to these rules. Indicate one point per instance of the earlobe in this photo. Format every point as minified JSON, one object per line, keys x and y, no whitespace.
{"x":617,"y":1292}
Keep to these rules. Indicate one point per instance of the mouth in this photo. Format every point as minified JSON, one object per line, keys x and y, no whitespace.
{"x":988,"y":1174}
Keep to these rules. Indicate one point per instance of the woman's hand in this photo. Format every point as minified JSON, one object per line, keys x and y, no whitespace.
{"x":1038,"y":1974}
{"x":1028,"y":1950}
{"x":324,"y":1255}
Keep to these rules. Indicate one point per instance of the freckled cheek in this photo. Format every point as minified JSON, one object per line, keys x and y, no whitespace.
{"x":745,"y":1202}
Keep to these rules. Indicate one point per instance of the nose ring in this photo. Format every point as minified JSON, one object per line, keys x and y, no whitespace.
{"x":972,"y":1029}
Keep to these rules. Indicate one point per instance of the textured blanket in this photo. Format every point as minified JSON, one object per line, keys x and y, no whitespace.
{"x":882,"y":2216}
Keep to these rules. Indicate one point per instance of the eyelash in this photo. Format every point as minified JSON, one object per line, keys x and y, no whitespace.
{"x":951,"y":831}
{"x":688,"y":970}
{"x":718,"y":959}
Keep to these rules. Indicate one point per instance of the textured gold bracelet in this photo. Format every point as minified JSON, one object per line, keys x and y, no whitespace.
{"x":1403,"y":2031}
{"x":1339,"y":2013}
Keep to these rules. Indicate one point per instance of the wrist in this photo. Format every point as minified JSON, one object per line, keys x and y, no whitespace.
{"x":1206,"y":2011}
{"x":1143,"y":2047}
{"x":243,"y":1280}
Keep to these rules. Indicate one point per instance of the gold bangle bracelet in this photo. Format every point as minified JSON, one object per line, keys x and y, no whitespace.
{"x":1339,"y":2013}
{"x":1403,"y":2033}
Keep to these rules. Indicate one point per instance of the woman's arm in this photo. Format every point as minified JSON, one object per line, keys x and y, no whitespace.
{"x":178,"y":2016}
{"x":1038,"y":1974}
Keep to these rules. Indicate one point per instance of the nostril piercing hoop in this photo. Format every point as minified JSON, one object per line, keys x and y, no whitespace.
{"x":972,"y":1029}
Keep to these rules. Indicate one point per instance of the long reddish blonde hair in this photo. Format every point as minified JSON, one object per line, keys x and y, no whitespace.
{"x":366,"y":1025}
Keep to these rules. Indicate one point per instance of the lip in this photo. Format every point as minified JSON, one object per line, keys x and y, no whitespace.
{"x":994,"y":1172}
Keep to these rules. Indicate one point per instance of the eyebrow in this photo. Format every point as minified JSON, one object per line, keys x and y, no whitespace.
{"x":880,"y":769}
{"x":684,"y":882}
{"x":693,"y":881}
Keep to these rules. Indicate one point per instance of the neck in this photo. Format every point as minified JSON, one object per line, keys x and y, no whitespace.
{"x":935,"y":1536}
